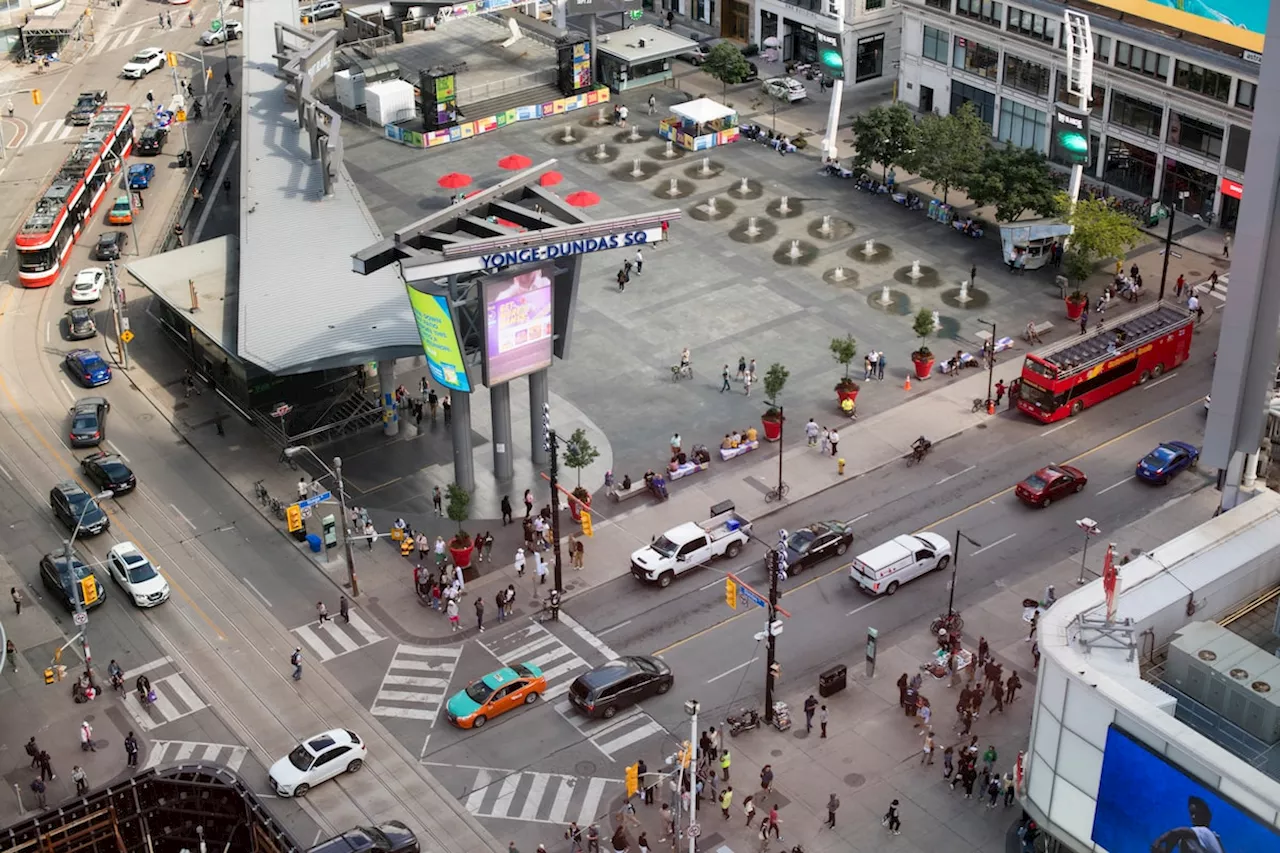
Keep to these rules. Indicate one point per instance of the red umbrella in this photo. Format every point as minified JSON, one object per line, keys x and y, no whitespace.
{"x":454,"y":181}
{"x":550,"y":179}
{"x":515,"y":162}
{"x":582,"y":198}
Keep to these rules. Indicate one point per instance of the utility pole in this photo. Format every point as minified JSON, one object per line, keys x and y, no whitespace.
{"x":117,"y":312}
{"x":955,"y":567}
{"x":1168,"y":244}
{"x":837,"y":86}
{"x":552,"y":445}
{"x":346,"y":532}
{"x":776,"y":563}
{"x":80,"y":616}
{"x":691,"y":708}
{"x":991,"y":363}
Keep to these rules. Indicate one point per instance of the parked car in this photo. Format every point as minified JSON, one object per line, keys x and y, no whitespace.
{"x":86,"y":106}
{"x":77,"y":509}
{"x":1051,"y":483}
{"x":143,"y":63}
{"x":390,"y":837}
{"x":226,"y":30}
{"x":87,"y":286}
{"x":1166,"y":461}
{"x":785,"y":89}
{"x":121,"y":211}
{"x":140,"y":580}
{"x":62,"y":577}
{"x":88,"y":367}
{"x":320,"y":11}
{"x":141,"y":175}
{"x":620,"y":683}
{"x":109,"y":473}
{"x":317,"y":759}
{"x":80,"y":324}
{"x":110,"y":245}
{"x":89,"y":421}
{"x":152,"y":139}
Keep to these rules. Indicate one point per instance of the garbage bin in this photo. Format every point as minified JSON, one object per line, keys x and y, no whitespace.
{"x":313,"y":540}
{"x":833,"y":680}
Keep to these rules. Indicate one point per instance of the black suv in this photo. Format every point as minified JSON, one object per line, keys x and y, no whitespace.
{"x":86,"y":105}
{"x":80,"y":324}
{"x":604,"y":691}
{"x":152,"y":139}
{"x":89,"y":421}
{"x":58,"y":574}
{"x":109,"y":472}
{"x":76,"y":507}
{"x":390,"y":837}
{"x":110,"y":245}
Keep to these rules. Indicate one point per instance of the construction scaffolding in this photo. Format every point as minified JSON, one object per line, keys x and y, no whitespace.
{"x":65,"y":36}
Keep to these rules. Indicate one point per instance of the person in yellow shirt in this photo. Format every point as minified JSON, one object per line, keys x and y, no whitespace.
{"x":406,"y":546}
{"x":751,"y":434}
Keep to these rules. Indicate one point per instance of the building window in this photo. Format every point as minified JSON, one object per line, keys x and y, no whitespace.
{"x":1244,"y":95}
{"x":1031,"y":25}
{"x":1026,"y":76}
{"x":944,"y":5}
{"x":975,"y":58}
{"x":1139,"y":60}
{"x":1097,"y":97}
{"x":1129,"y":167}
{"x":935,"y":44}
{"x":1195,"y":135}
{"x":986,"y":11}
{"x":1021,"y":125}
{"x":1101,"y":48}
{"x":1136,"y":114}
{"x":1193,"y":78}
{"x":984,"y":102}
{"x":871,"y":5}
{"x":870,"y":63}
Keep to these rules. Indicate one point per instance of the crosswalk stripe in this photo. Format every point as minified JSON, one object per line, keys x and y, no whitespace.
{"x":475,"y":800}
{"x":560,"y":808}
{"x":422,"y":704}
{"x":506,"y":794}
{"x":533,"y":799}
{"x":589,"y":726}
{"x":616,"y":745}
{"x":229,"y":756}
{"x":335,"y":637}
{"x":590,"y":802}
{"x":174,"y":699}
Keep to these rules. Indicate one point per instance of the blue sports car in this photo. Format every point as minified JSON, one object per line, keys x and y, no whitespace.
{"x":1166,"y":460}
{"x":140,"y":175}
{"x":88,"y":367}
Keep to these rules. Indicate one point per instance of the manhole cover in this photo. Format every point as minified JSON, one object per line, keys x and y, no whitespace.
{"x":855,"y":780}
{"x":776,"y":753}
{"x":585,"y":768}
{"x":145,"y":417}
{"x":800,"y":734}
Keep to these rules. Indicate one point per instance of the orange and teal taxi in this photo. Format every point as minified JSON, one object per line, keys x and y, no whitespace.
{"x":121,"y":212}
{"x":496,"y":693}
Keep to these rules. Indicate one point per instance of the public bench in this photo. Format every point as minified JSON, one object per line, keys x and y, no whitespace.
{"x":727,"y":453}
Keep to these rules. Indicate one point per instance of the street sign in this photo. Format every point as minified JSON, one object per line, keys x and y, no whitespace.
{"x":306,"y":511}
{"x":694,"y":830}
{"x":310,"y":502}
{"x":281,"y":410}
{"x":126,"y":336}
{"x":751,"y":596}
{"x":80,"y":619}
{"x":215,"y":25}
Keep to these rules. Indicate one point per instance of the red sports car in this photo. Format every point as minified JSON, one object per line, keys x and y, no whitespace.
{"x":1049,"y":484}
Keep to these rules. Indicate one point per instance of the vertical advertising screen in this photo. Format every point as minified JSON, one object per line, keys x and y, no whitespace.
{"x":517,"y":311}
{"x":1147,"y":805}
{"x":446,"y":92}
{"x":581,"y":66}
{"x":439,"y":339}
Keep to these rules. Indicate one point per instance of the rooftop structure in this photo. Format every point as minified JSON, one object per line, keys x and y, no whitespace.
{"x":646,"y":42}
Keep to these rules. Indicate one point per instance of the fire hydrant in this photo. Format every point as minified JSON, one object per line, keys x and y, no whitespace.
{"x":840,"y":466}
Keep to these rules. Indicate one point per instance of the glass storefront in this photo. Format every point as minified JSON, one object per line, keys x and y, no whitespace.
{"x":870,"y":64}
{"x":1129,"y":167}
{"x":984,"y":102}
{"x":1021,"y":125}
{"x":1199,"y":185}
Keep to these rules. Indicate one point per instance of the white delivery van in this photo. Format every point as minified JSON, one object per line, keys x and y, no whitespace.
{"x":886,"y":567}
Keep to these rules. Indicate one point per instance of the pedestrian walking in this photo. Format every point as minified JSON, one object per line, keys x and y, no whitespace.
{"x":880,"y":366}
{"x":81,"y":779}
{"x":724,"y":379}
{"x":1000,"y":389}
{"x":38,"y":788}
{"x":726,"y":800}
{"x":506,"y":510}
{"x":86,"y":737}
{"x":452,"y":610}
{"x":810,"y":708}
{"x":867,"y":361}
{"x":746,"y":384}
{"x":1035,"y":656}
{"x":1226,"y":244}
{"x":1009,"y":789}
{"x":742,"y":367}
{"x":948,"y":762}
{"x":540,"y":568}
{"x":811,"y":432}
{"x":16,"y":595}
{"x":891,"y":819}
{"x":487,"y":543}
{"x":668,"y":822}
{"x":1179,"y":286}
{"x":751,"y":369}
{"x":528,"y":503}
{"x":724,"y":763}
{"x":33,"y":750}
{"x":926,"y":751}
{"x":993,"y":791}
{"x":1213,"y":281}
{"x":1084,"y":322}
{"x":825,"y":440}
{"x":1031,"y":634}
{"x":766,"y":778}
{"x":480,"y":612}
{"x":131,"y":749}
{"x":519,"y":562}
{"x":437,"y":501}
{"x":775,"y":822}
{"x":160,"y":16}
{"x":639,"y":261}
{"x":322,"y":613}
{"x":446,"y":406}
{"x":433,"y":402}
{"x":653,"y":104}
{"x":574,"y":835}
{"x":622,"y":279}
{"x":834,"y":438}
{"x":643,"y":842}
{"x":580,"y":555}
{"x":822,"y":721}
{"x":296,"y":660}
{"x":833,"y":803}
{"x":764,"y":836}
{"x":11,"y":654}
{"x":370,"y":534}
{"x":989,"y":758}
{"x":226,"y":76}
{"x":593,"y":839}
{"x":439,"y":550}
{"x":46,"y":766}
{"x":1011,"y":686}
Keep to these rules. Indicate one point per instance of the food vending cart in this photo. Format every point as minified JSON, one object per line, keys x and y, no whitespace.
{"x":700,"y":124}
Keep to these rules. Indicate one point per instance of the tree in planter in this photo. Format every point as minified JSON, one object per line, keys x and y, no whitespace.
{"x":949,"y":149}
{"x":458,"y":508}
{"x":774,"y":381}
{"x":578,"y":454}
{"x":923,"y":327}
{"x":1098,"y":232}
{"x":884,"y":135}
{"x":726,"y":63}
{"x":1014,"y":181}
{"x":843,"y":350}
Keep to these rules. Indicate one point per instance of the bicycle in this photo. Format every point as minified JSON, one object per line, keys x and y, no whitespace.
{"x":277,"y":508}
{"x":288,"y":460}
{"x":777,"y":493}
{"x":952,"y":623}
{"x":260,"y":492}
{"x":681,"y":371}
{"x":919,"y":452}
{"x":979,"y":404}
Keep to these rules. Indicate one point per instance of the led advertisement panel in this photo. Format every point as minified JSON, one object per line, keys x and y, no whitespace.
{"x":517,"y":312}
{"x":439,"y":340}
{"x":1147,"y":805}
{"x":1242,"y":23}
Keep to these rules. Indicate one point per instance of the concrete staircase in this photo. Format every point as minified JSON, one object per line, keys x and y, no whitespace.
{"x":510,"y":100}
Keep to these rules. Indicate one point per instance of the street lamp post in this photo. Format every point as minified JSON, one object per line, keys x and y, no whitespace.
{"x":776,"y":563}
{"x":691,"y":708}
{"x":551,"y":443}
{"x":336,"y":473}
{"x":81,"y":617}
{"x":991,"y":357}
{"x":1168,"y":244}
{"x":1091,"y":529}
{"x":955,"y":566}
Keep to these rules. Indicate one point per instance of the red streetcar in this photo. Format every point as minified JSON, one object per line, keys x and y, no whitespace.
{"x":45,"y":239}
{"x":1087,"y":369}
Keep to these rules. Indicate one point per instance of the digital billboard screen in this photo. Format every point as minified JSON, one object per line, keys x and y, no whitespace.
{"x":1147,"y":805}
{"x":439,"y":340}
{"x":517,"y":313}
{"x":446,"y":93}
{"x":1242,"y":23}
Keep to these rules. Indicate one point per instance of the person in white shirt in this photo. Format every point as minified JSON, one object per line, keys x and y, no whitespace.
{"x":1197,"y":838}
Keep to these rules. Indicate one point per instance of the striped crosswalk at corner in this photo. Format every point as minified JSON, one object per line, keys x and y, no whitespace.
{"x":1217,"y":291}
{"x":171,"y":752}
{"x":175,"y":698}
{"x":539,"y":797}
{"x":55,"y":130}
{"x":120,"y":38}
{"x":416,"y":683}
{"x":536,"y":645}
{"x":628,"y":728}
{"x":335,"y":636}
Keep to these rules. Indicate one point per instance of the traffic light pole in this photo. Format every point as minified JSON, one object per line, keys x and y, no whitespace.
{"x":552,"y":445}
{"x":776,"y":561}
{"x":837,"y":89}
{"x":81,"y":616}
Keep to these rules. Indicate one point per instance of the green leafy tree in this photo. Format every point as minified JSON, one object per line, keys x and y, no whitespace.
{"x":1014,"y":181}
{"x":727,"y":64}
{"x":579,"y":452}
{"x":1098,"y":232}
{"x":884,"y":135}
{"x":950,"y":149}
{"x":458,"y":510}
{"x":774,"y":381}
{"x":843,"y":351}
{"x":922,"y":325}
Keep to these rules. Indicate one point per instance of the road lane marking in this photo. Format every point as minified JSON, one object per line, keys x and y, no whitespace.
{"x":189,"y":522}
{"x":859,"y":518}
{"x":729,"y":672}
{"x":993,"y":544}
{"x":5,"y":471}
{"x":249,"y":584}
{"x":1151,"y":385}
{"x":1055,"y":429}
{"x":67,"y":388}
{"x":606,"y":630}
{"x":713,"y":583}
{"x":1117,"y":485}
{"x":873,"y":602}
{"x":957,"y":474}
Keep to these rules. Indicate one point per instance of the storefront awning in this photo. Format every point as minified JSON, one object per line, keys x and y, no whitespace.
{"x":702,"y":111}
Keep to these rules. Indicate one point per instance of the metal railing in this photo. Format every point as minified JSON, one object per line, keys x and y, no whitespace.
{"x":520,"y":82}
{"x":223,"y":115}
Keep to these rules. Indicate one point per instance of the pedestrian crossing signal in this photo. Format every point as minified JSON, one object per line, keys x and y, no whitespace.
{"x":586,"y":523}
{"x":633,"y":779}
{"x":293,"y":515}
{"x":731,"y":593}
{"x":685,"y":756}
{"x":172,"y":59}
{"x":37,"y":97}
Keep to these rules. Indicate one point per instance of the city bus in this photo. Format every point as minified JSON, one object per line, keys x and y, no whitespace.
{"x":1084,"y":370}
{"x":44,"y":241}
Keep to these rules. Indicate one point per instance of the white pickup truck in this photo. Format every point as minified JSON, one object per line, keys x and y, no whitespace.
{"x":692,"y":545}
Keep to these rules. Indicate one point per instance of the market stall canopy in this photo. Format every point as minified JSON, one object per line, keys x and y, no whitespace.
{"x":703,"y":111}
{"x":1024,"y":235}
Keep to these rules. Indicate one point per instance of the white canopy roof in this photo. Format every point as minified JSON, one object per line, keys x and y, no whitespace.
{"x":702,"y":110}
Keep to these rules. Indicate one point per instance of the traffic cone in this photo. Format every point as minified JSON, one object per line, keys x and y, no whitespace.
{"x":991,"y":407}
{"x":906,"y":386}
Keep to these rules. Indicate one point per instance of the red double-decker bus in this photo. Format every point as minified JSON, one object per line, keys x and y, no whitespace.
{"x":45,"y":239}
{"x":1081,"y":371}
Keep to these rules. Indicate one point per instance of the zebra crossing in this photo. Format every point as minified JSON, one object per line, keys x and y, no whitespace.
{"x":539,"y":797}
{"x":335,"y":637}
{"x":127,"y":35}
{"x":170,"y":752}
{"x":1219,"y":292}
{"x":629,"y":727}
{"x":175,"y":698}
{"x":536,"y":645}
{"x":55,"y":130}
{"x":416,"y":683}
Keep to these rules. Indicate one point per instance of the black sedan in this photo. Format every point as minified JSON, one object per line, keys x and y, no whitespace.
{"x":62,"y":577}
{"x":89,"y":421}
{"x":109,"y":472}
{"x":815,"y":543}
{"x":110,"y":245}
{"x":80,"y":324}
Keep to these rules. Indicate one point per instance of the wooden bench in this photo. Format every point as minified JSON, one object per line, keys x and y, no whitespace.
{"x":617,"y":493}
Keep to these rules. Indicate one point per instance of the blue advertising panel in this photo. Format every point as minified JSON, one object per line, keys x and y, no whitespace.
{"x":1147,"y":805}
{"x":1242,"y":23}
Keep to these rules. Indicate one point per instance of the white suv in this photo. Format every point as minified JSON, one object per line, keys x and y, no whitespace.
{"x":143,"y":63}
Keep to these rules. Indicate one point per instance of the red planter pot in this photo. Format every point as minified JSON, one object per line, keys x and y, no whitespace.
{"x":576,"y":507}
{"x":1075,"y":309}
{"x":462,"y":556}
{"x":772,"y":429}
{"x":849,"y":394}
{"x":924,"y":366}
